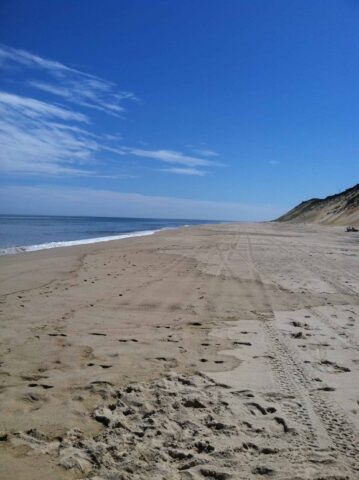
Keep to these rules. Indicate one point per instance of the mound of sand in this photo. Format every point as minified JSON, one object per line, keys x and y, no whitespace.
{"x":339,"y":209}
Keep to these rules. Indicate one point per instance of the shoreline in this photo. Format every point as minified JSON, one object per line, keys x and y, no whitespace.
{"x":71,"y":243}
{"x":15,"y":249}
{"x":217,"y":336}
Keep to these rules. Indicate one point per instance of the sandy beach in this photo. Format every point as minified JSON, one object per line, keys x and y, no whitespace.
{"x":215,"y":352}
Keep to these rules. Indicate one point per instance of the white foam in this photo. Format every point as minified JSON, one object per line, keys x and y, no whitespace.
{"x":85,"y":241}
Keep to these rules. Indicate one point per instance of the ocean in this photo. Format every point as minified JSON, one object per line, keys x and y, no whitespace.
{"x":21,"y":233}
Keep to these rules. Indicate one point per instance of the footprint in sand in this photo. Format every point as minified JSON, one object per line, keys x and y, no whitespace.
{"x":256,"y":408}
{"x":280,"y":421}
{"x":243,"y":394}
{"x":214,"y":474}
{"x":333,"y":367}
{"x":326,"y":389}
{"x":170,"y":339}
{"x":45,"y":386}
{"x":297,"y":335}
{"x":262,"y":470}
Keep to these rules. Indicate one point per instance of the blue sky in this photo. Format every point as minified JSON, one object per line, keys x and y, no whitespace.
{"x":231,"y":110}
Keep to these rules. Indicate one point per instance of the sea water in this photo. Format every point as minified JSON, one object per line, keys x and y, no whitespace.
{"x":21,"y":233}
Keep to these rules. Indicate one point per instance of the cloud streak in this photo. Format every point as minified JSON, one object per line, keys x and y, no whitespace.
{"x":184,"y":171}
{"x":13,"y":105}
{"x":68,"y":83}
{"x":171,"y":156}
{"x":205,"y":152}
{"x":41,"y":138}
{"x":44,"y":137}
{"x":34,"y":139}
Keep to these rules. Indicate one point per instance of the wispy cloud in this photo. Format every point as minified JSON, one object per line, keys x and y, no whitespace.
{"x":205,"y":152}
{"x":34,"y":140}
{"x":184,"y":171}
{"x":173,"y":157}
{"x":43,"y":136}
{"x":36,"y":109}
{"x":68,"y":83}
{"x":40,"y":136}
{"x":10,"y":55}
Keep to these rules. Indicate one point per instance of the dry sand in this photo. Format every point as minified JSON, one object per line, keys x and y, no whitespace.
{"x":218,"y":352}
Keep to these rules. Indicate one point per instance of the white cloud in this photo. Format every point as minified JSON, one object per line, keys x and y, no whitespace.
{"x":34,"y":140}
{"x":84,"y":201}
{"x":46,"y":138}
{"x":9,"y":55}
{"x":68,"y":83}
{"x":205,"y":152}
{"x":41,"y":138}
{"x":171,"y":156}
{"x":14,"y":104}
{"x":184,"y":171}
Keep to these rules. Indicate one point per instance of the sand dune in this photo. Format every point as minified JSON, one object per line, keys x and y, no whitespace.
{"x":339,"y":209}
{"x":219,"y":352}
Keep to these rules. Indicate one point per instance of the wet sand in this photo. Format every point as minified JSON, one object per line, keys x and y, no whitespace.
{"x":215,"y":352}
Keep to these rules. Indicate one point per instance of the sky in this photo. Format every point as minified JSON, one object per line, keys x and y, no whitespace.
{"x":234,"y":110}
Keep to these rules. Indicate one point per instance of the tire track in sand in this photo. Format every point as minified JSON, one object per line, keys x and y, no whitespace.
{"x":293,"y":378}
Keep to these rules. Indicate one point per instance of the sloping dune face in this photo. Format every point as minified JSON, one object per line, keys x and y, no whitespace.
{"x":339,"y":209}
